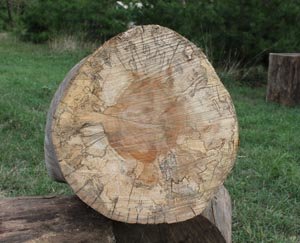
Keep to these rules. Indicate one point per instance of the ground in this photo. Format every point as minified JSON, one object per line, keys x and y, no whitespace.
{"x":264,"y":184}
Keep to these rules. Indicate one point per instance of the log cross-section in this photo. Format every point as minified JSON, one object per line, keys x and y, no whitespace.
{"x":143,"y":130}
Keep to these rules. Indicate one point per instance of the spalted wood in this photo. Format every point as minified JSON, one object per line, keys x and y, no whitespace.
{"x":67,"y":219}
{"x":284,"y":78}
{"x":52,"y":164}
{"x":213,"y":225}
{"x":143,"y":130}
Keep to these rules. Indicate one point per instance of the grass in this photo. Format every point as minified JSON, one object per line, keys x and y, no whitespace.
{"x":29,"y":76}
{"x":264,"y":184}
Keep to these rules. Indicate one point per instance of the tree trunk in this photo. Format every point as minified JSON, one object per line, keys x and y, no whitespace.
{"x":9,"y":11}
{"x":284,"y":78}
{"x":67,"y":219}
{"x":143,"y":130}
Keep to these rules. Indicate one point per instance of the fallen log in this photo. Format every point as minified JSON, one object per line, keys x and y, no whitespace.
{"x":143,"y":130}
{"x":67,"y":219}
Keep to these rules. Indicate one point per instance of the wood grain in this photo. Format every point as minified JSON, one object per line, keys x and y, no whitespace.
{"x":143,"y":130}
{"x":50,"y":220}
{"x":55,"y":219}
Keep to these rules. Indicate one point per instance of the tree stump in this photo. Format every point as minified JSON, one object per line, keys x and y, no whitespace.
{"x":67,"y":219}
{"x":284,"y":78}
{"x":143,"y":130}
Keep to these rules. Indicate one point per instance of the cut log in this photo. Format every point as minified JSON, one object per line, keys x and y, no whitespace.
{"x":67,"y":219}
{"x":52,"y":219}
{"x":284,"y":78}
{"x":143,"y":130}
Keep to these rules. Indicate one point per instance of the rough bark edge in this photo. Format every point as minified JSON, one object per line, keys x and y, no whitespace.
{"x":51,"y":160}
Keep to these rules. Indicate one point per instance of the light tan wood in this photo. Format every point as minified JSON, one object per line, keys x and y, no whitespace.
{"x":284,"y":78}
{"x":143,"y":130}
{"x":67,"y":219}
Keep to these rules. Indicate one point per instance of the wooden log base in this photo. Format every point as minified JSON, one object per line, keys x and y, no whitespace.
{"x":143,"y":130}
{"x":67,"y":219}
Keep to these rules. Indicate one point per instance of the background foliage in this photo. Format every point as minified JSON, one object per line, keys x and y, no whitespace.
{"x":239,"y":29}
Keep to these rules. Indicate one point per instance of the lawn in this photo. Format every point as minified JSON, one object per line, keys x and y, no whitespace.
{"x":264,"y":184}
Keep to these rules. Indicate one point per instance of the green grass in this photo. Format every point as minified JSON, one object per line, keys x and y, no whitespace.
{"x":264,"y":184}
{"x":29,"y":76}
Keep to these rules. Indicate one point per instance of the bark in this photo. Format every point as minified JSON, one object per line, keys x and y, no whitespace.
{"x":51,"y":160}
{"x":67,"y":219}
{"x":284,"y":78}
{"x":143,"y":130}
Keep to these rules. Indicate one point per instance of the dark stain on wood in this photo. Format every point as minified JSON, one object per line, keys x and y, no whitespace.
{"x":146,"y":121}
